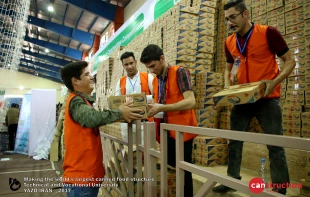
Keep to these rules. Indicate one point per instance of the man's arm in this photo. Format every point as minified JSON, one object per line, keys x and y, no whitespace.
{"x":289,"y":65}
{"x":227,"y":80}
{"x":277,"y":45}
{"x":188,"y":102}
{"x":88,"y":117}
{"x":229,"y":65}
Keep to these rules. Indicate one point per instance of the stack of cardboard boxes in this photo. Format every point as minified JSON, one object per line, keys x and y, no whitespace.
{"x":209,"y":151}
{"x":207,"y":29}
{"x":207,"y":84}
{"x":180,"y":37}
{"x":294,"y":99}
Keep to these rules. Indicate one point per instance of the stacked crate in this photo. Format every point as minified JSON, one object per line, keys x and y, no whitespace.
{"x":207,"y":84}
{"x":180,"y":37}
{"x":210,"y":151}
{"x":294,"y":88}
{"x":305,"y":119}
{"x":259,"y":8}
{"x":207,"y":29}
{"x":104,"y":82}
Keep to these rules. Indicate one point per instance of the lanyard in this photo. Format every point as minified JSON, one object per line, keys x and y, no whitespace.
{"x":160,"y":84}
{"x":246,"y":41}
{"x":133,"y":85}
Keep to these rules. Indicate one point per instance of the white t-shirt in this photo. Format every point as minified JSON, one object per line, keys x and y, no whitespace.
{"x":134,"y":86}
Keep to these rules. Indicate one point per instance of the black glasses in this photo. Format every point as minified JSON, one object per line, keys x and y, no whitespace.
{"x":232,"y":17}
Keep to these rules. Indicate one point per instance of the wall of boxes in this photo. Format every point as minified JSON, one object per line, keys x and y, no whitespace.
{"x":192,"y":34}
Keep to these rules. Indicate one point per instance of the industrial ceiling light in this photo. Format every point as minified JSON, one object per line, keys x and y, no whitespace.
{"x":21,"y":87}
{"x":50,"y":8}
{"x":46,"y":50}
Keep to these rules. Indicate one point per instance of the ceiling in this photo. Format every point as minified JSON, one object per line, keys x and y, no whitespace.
{"x":66,"y":33}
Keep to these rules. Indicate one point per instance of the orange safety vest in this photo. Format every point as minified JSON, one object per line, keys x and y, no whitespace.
{"x":144,"y":87}
{"x":260,"y":62}
{"x":174,"y":95}
{"x":83,"y":151}
{"x":143,"y":81}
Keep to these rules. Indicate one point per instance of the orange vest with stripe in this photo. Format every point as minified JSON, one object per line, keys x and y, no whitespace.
{"x":83,"y":151}
{"x":174,"y":95}
{"x":144,"y":86}
{"x":143,"y":81}
{"x":260,"y":62}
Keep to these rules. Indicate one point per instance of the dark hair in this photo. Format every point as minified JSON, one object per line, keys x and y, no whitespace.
{"x":127,"y":55}
{"x":74,"y":69}
{"x":16,"y":106}
{"x":150,"y":53}
{"x":13,"y":105}
{"x":239,"y":5}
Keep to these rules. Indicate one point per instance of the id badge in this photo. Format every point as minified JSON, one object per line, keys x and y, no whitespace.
{"x":235,"y":68}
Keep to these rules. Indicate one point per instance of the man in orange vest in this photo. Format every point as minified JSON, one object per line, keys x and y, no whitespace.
{"x":251,"y":56}
{"x":135,"y":81}
{"x":83,"y":168}
{"x":173,"y":89}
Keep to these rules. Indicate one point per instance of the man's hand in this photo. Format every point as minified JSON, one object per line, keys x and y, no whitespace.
{"x":270,"y":86}
{"x":130,"y":114}
{"x":152,"y":110}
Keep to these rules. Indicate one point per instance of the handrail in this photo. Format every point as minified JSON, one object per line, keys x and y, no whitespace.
{"x":213,"y":178}
{"x":109,"y":152}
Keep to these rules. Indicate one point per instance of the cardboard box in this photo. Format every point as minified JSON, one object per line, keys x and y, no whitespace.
{"x":144,"y":111}
{"x":209,"y":75}
{"x":138,"y":100}
{"x":240,"y":94}
{"x":306,"y":11}
{"x":305,"y":132}
{"x":206,"y":114}
{"x":216,"y":148}
{"x":210,"y":140}
{"x":305,"y":116}
{"x":291,"y":116}
{"x":291,"y":108}
{"x":186,"y":64}
{"x":291,"y":123}
{"x":306,"y":124}
{"x":216,"y":162}
{"x":291,"y":131}
{"x":204,"y":56}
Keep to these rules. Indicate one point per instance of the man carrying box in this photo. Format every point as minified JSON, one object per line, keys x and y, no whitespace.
{"x":173,"y":90}
{"x":135,"y":81}
{"x":250,"y":54}
{"x":83,"y":151}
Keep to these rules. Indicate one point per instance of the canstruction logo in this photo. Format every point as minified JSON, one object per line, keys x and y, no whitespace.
{"x":257,"y":185}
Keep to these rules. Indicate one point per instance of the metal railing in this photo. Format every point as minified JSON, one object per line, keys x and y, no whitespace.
{"x":212,"y":178}
{"x":151,"y":155}
{"x":109,"y":151}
